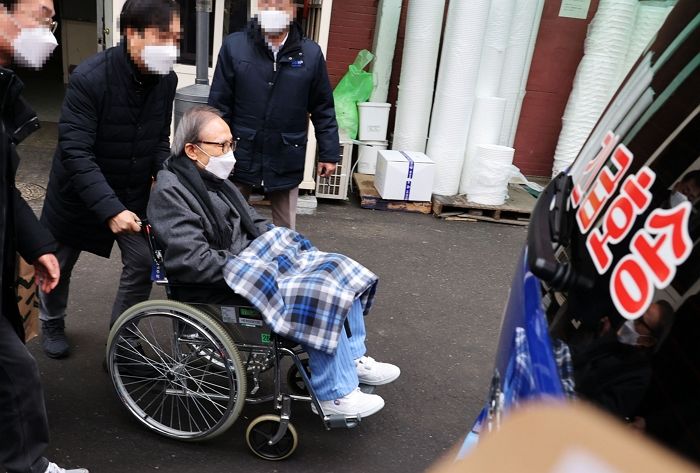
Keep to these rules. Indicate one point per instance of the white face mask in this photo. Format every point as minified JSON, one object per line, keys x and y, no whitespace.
{"x":159,"y":59}
{"x":274,"y":21}
{"x":677,"y":198}
{"x":33,"y":46}
{"x":628,"y":334}
{"x":220,"y":166}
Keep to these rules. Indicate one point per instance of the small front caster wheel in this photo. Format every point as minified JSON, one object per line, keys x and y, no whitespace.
{"x":264,"y":428}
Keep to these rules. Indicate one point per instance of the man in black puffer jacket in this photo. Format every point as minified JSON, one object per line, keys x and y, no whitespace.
{"x":114,"y":134}
{"x":26,"y":38}
{"x":268,"y":79}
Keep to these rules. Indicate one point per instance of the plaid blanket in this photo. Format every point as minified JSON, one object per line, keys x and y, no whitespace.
{"x":565,"y":364}
{"x":304,"y":294}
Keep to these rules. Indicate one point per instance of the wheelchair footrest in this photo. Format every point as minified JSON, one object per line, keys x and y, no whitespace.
{"x":338,"y":421}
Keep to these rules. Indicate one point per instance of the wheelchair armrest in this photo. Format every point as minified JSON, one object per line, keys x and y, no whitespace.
{"x":218,"y":294}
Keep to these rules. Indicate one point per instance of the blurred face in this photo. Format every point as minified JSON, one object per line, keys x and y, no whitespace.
{"x":25,"y":15}
{"x":646,"y":336}
{"x":689,"y":189}
{"x":215,"y":140}
{"x":33,"y":13}
{"x":146,"y":47}
{"x":275,"y":16}
{"x":283,"y":5}
{"x":648,"y":326}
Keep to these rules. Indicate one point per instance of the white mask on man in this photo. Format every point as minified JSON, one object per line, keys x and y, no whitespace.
{"x":274,"y":21}
{"x":628,"y":334}
{"x":160,"y":58}
{"x":677,"y":198}
{"x":220,"y":166}
{"x":33,"y":46}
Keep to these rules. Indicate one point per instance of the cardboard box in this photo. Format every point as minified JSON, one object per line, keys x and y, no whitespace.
{"x":404,"y":175}
{"x":27,"y":298}
{"x":564,"y":438}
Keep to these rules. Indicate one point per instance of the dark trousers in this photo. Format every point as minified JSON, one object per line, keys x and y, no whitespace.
{"x":134,"y":283}
{"x":24,"y":430}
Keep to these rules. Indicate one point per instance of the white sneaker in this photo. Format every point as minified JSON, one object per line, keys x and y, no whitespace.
{"x":53,"y":468}
{"x":375,"y":373}
{"x":354,"y":404}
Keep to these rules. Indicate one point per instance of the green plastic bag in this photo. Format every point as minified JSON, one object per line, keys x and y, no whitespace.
{"x":355,"y":87}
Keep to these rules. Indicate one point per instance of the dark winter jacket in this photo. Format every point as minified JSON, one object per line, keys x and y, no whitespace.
{"x":613,"y":375}
{"x":113,"y":136}
{"x":266,"y":104}
{"x":20,"y":231}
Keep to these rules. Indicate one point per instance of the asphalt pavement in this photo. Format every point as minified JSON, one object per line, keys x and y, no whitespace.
{"x":441,"y":294}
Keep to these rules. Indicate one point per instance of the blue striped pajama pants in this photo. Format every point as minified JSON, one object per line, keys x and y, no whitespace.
{"x":334,"y":376}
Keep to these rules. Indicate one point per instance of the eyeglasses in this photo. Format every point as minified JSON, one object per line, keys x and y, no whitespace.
{"x":226,"y":146}
{"x":50,"y":23}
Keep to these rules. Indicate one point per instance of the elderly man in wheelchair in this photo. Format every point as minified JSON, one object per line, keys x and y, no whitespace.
{"x":238,"y":285}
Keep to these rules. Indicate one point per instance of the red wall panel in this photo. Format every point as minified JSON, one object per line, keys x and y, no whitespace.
{"x":558,"y":51}
{"x":352,"y":30}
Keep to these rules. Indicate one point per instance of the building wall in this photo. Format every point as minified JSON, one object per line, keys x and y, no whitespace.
{"x":558,"y":51}
{"x":352,"y":30}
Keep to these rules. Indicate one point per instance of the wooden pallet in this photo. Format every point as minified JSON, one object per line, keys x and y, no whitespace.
{"x":370,"y":198}
{"x":515,"y":211}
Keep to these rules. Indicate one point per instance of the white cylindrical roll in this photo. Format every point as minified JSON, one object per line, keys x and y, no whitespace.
{"x":516,"y":63}
{"x":597,"y":76}
{"x":454,"y":96}
{"x":385,"y":32}
{"x":494,"y":48}
{"x":416,"y":85}
{"x":647,"y":24}
{"x":484,"y":129}
{"x":493,"y":168}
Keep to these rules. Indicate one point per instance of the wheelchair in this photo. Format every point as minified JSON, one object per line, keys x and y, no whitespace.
{"x":185,"y":367}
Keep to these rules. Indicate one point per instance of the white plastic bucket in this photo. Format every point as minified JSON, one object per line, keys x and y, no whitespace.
{"x":374,"y":120}
{"x":367,"y":155}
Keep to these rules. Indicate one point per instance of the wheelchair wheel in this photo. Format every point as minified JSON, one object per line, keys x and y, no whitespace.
{"x":295,"y":381}
{"x":166,"y":361}
{"x":262,"y":429}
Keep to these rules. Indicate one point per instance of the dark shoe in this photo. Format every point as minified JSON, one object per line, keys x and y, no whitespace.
{"x":53,"y":340}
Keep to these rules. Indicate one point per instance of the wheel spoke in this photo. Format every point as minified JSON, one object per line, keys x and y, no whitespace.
{"x":145,"y":409}
{"x":137,"y":362}
{"x":193,"y":389}
{"x":156,"y":349}
{"x":200,"y":382}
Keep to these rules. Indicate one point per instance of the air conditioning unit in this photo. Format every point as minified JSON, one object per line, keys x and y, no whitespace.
{"x":335,"y":186}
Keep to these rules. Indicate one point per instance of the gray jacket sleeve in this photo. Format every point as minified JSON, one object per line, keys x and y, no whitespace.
{"x":180,"y":230}
{"x":260,"y":222}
